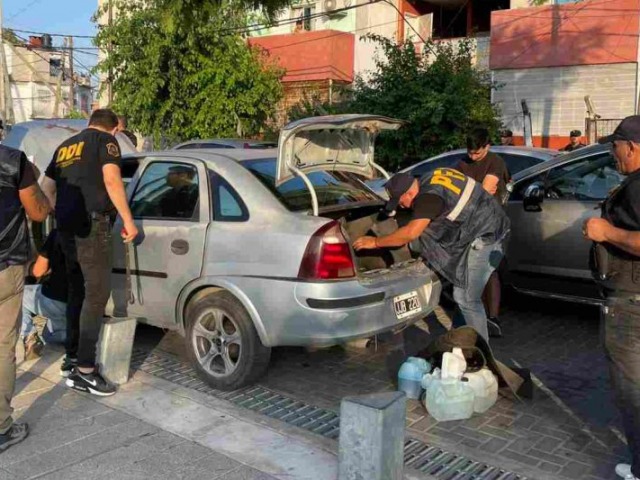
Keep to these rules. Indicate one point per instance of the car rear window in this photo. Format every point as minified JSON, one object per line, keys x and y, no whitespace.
{"x":332,"y":188}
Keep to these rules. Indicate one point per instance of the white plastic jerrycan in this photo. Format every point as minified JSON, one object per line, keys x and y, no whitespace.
{"x":410,"y":376}
{"x":453,"y":364}
{"x":449,"y":399}
{"x":485,"y":388}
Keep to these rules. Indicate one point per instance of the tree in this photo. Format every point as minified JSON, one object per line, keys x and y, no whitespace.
{"x":439,"y":93}
{"x":199,"y":80}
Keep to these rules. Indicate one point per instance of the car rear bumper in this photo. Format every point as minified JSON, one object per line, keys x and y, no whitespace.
{"x":298,"y":313}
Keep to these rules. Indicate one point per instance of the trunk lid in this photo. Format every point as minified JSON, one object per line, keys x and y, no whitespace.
{"x":335,"y":142}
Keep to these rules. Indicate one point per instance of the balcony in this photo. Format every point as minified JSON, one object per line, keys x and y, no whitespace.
{"x":311,"y":56}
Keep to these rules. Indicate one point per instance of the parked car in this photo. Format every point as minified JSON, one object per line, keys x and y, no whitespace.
{"x":548,"y":204}
{"x":231,"y":255}
{"x":226,"y":143}
{"x":516,"y":158}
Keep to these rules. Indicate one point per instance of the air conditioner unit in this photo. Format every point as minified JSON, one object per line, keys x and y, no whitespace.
{"x":334,"y":8}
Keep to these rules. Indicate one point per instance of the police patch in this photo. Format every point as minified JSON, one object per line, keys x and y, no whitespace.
{"x":113,"y":149}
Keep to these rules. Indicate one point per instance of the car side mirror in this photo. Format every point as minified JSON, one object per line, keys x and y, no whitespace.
{"x":533,"y":197}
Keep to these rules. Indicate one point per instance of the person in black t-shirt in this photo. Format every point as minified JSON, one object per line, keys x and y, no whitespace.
{"x":45,"y":296}
{"x":575,"y":137}
{"x":85,"y":182}
{"x":490,"y":170}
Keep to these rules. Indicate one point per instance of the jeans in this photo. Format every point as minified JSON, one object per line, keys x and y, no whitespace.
{"x":11,"y":286}
{"x":621,"y":319}
{"x":483,"y":259}
{"x":88,"y":262}
{"x":35,"y":303}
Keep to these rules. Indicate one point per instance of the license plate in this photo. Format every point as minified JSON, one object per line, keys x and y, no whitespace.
{"x":406,"y":305}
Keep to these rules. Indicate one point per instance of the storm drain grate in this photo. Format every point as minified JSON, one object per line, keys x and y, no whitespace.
{"x":417,"y":455}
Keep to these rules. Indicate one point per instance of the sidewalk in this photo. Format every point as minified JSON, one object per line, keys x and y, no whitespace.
{"x":152,"y":429}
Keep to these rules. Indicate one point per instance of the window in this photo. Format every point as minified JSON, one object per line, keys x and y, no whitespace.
{"x":227,"y":204}
{"x":332,"y":188}
{"x":304,"y":18}
{"x":167,"y":190}
{"x":450,"y":161}
{"x":590,"y":178}
{"x":517,"y":163}
{"x":214,"y":145}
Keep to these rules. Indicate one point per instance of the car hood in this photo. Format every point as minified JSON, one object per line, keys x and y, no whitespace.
{"x":335,"y":142}
{"x":39,"y":139}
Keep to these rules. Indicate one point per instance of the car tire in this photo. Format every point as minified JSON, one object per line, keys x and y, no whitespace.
{"x":222,"y":342}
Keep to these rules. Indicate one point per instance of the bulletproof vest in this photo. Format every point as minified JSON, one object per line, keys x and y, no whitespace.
{"x":14,"y":238}
{"x":469,"y":213}
{"x":612,"y":268}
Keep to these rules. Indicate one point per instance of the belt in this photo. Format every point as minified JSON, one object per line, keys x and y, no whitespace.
{"x":100,"y":216}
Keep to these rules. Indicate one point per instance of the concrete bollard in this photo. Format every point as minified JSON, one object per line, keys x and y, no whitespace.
{"x":372,"y":437}
{"x":115,"y":347}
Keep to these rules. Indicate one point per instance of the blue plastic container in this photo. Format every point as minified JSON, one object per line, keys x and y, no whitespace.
{"x":410,"y":376}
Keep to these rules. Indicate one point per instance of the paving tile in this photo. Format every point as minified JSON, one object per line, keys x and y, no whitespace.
{"x":211,"y":466}
{"x":547,"y":444}
{"x":246,"y":473}
{"x":494,"y":445}
{"x":549,"y":467}
{"x":520,"y":457}
{"x":575,"y":470}
{"x":548,"y":457}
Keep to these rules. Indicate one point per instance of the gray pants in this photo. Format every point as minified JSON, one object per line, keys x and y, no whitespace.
{"x":622,"y":346}
{"x":11,"y":286}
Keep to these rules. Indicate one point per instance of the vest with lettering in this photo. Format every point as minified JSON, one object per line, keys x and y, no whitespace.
{"x":14,"y":238}
{"x":469,"y":213}
{"x":615,"y":269}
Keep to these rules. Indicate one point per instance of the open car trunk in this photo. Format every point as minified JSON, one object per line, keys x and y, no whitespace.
{"x":361,"y":221}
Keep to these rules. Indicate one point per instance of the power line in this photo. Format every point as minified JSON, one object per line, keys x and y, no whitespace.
{"x":31,"y":32}
{"x":21,"y":11}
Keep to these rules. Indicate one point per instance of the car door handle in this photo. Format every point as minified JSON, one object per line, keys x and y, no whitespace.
{"x":180,"y":247}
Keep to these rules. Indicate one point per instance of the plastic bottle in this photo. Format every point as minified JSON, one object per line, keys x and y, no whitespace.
{"x":410,"y":376}
{"x":453,"y":364}
{"x":449,"y":399}
{"x":485,"y":388}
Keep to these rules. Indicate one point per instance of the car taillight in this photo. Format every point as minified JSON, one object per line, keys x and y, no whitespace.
{"x":328,"y":256}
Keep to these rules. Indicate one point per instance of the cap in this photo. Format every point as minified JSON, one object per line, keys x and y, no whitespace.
{"x":397,"y":186}
{"x":575,"y":133}
{"x":629,"y":129}
{"x":506,"y":133}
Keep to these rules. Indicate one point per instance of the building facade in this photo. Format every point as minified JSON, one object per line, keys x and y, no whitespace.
{"x":40,"y":82}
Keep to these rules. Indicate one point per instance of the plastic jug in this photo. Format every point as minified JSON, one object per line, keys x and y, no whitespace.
{"x":449,"y":399}
{"x":453,"y":364}
{"x":410,"y":376}
{"x":485,"y":388}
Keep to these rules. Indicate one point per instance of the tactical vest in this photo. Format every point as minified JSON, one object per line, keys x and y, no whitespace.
{"x":14,"y":238}
{"x":612,"y":268}
{"x":469,"y":213}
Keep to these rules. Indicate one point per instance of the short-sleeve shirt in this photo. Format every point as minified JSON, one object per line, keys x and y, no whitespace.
{"x":76,"y":167}
{"x":622,"y":207}
{"x":491,"y":164}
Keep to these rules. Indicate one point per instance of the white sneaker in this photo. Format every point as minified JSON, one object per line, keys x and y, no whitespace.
{"x":624,"y":470}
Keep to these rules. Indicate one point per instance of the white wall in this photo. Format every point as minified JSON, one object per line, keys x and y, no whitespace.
{"x":555,"y":96}
{"x":377,"y":18}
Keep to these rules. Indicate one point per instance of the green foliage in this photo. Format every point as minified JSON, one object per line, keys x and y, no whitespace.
{"x":192,"y":80}
{"x":440,"y":94}
{"x":75,"y":114}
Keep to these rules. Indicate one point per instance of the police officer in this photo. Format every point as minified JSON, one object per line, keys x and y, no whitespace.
{"x":85,"y":180}
{"x":615,"y":261}
{"x":19,"y":194}
{"x":461,"y":230}
{"x":574,"y":141}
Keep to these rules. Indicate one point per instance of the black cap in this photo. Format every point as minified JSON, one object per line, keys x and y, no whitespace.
{"x":629,"y":130}
{"x":506,"y":133}
{"x":575,"y":133}
{"x":397,"y":186}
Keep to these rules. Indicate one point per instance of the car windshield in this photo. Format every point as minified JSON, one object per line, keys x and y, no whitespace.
{"x":332,"y":188}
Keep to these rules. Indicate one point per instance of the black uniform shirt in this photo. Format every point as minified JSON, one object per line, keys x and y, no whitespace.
{"x":491,"y":164}
{"x":622,"y":209}
{"x":77,"y":169}
{"x":55,"y":285}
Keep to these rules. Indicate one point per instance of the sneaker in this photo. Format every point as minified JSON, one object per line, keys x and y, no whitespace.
{"x":495,"y":327}
{"x":94,"y":383}
{"x":17,"y":433}
{"x":68,"y":364}
{"x":624,"y":470}
{"x":33,"y":346}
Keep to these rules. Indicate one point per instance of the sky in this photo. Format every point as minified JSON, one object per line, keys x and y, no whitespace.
{"x":69,"y":17}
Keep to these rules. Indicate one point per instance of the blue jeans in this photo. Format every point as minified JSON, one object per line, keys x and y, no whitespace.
{"x":621,"y":319}
{"x":34,"y":303}
{"x":483,"y":259}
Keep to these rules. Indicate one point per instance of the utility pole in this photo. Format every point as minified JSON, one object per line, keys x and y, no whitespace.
{"x":6,"y":104}
{"x":72,"y":80}
{"x":109,"y":51}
